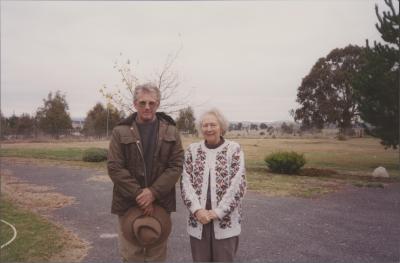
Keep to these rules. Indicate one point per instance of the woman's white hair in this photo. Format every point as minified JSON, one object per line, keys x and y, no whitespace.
{"x":223,"y":122}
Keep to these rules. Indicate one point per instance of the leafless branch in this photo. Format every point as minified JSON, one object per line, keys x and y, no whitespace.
{"x":167,"y":80}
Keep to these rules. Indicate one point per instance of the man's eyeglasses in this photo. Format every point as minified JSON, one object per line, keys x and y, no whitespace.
{"x":152,"y":104}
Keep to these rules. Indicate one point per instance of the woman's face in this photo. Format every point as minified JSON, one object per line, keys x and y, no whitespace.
{"x":211,"y":129}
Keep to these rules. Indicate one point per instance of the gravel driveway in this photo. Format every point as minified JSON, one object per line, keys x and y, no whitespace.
{"x":352,"y":225}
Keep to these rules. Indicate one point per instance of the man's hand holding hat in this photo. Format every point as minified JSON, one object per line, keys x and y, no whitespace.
{"x":145,"y":198}
{"x":146,"y":231}
{"x":149,"y":211}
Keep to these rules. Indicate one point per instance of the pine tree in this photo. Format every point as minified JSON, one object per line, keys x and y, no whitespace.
{"x":97,"y":119}
{"x":53,"y":118}
{"x":377,"y":83}
{"x":25,"y":125}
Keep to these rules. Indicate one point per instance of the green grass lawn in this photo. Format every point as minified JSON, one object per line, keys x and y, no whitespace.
{"x":66,"y":154}
{"x":37,"y":239}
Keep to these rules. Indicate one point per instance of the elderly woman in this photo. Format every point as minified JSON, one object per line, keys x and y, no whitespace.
{"x":213,"y":184}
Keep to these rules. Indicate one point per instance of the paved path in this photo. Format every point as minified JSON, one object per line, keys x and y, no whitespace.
{"x":353,"y":225}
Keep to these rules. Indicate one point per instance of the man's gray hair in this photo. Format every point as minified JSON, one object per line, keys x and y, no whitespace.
{"x":223,"y":122}
{"x":148,"y":88}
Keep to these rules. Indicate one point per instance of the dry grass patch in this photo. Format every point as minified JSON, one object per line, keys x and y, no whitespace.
{"x":317,"y":172}
{"x":293,"y":185}
{"x":36,"y":198}
{"x":75,"y":249}
{"x":66,"y":245}
{"x":99,"y":178}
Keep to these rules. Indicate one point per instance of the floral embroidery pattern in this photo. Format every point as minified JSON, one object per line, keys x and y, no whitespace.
{"x":185,"y":199}
{"x":188,"y":163}
{"x":221,"y":172}
{"x":240,"y":213}
{"x":225,"y":222}
{"x":192,"y":220}
{"x":196,"y":177}
{"x":223,"y":182}
{"x":235,"y":165}
{"x":238,"y":195}
{"x":188,"y":169}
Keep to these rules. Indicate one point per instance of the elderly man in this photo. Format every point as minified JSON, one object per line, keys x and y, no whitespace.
{"x":144,"y":162}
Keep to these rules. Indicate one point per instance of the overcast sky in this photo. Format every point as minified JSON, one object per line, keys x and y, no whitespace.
{"x":245,"y":58}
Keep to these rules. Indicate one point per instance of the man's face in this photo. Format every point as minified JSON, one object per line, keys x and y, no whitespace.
{"x":146,"y":105}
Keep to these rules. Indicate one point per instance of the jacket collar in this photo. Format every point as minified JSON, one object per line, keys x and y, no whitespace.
{"x":166,"y":129}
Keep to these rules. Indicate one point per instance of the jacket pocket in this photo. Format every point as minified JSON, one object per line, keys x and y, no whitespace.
{"x":167,"y":146}
{"x":130,"y":149}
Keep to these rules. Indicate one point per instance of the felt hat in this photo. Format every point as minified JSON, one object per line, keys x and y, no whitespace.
{"x":146,"y":231}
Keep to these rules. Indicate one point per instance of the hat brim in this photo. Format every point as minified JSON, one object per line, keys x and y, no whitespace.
{"x":160,"y":214}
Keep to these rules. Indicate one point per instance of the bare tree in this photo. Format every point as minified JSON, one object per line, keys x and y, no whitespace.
{"x":167,"y":80}
{"x":186,"y":120}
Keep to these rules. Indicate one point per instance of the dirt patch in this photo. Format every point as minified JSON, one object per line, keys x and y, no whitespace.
{"x":42,"y":200}
{"x":99,"y":178}
{"x":47,"y":163}
{"x":317,"y":172}
{"x":36,"y":198}
{"x":75,"y":248}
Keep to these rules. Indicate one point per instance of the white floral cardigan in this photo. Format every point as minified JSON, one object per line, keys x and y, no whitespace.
{"x":225,"y":165}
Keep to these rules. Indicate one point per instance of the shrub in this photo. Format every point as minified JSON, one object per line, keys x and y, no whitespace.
{"x":285,"y":162}
{"x":94,"y":155}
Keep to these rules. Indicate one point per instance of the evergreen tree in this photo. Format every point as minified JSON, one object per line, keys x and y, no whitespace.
{"x":53,"y":117}
{"x":98,"y":120}
{"x":3,"y":125}
{"x":25,"y":125}
{"x":11,"y":125}
{"x":377,"y":83}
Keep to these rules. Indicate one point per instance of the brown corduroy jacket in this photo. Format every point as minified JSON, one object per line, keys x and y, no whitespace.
{"x":126,"y":166}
